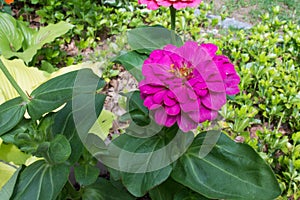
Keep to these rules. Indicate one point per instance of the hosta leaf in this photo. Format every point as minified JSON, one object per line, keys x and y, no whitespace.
{"x":27,"y":78}
{"x":7,"y":190}
{"x":229,"y":171}
{"x":11,"y":38}
{"x":11,"y":113}
{"x":41,"y":181}
{"x":43,"y":36}
{"x":147,"y":39}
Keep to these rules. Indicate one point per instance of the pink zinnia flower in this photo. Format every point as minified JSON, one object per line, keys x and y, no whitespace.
{"x":178,"y":4}
{"x":187,"y":84}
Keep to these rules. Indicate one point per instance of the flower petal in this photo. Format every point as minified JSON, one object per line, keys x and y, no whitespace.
{"x":173,"y":110}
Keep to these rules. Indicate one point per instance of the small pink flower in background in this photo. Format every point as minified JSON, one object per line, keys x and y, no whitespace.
{"x":187,"y":85}
{"x":178,"y":4}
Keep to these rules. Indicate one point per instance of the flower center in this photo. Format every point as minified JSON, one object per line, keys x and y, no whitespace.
{"x":182,"y":72}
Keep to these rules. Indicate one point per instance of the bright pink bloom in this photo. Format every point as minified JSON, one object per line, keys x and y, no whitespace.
{"x":187,"y":84}
{"x":178,"y":4}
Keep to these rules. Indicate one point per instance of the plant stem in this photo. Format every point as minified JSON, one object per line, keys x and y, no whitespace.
{"x":173,"y":17}
{"x":13,"y":82}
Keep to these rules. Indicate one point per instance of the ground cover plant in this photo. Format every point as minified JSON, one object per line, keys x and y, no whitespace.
{"x":71,"y":156}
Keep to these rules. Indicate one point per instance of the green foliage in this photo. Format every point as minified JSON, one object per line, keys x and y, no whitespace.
{"x":267,"y":59}
{"x":12,"y":113}
{"x":20,"y":41}
{"x":41,"y":180}
{"x":233,"y":166}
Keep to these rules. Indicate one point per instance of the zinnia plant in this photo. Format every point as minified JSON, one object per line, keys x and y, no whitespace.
{"x":187,"y":85}
{"x":181,"y":85}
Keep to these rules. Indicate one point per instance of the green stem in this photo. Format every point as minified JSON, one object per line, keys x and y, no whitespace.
{"x":13,"y":82}
{"x":173,"y":17}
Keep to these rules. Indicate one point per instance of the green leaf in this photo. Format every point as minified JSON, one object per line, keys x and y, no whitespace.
{"x":64,"y":121}
{"x":187,"y":194}
{"x":11,"y":113}
{"x":172,"y":190}
{"x":136,"y":109}
{"x":26,"y":77}
{"x":41,"y":181}
{"x":103,"y":124}
{"x":133,"y":62}
{"x":11,"y":153}
{"x":146,"y":162}
{"x":86,"y":174}
{"x":229,"y":171}
{"x":43,"y":36}
{"x":147,"y":39}
{"x":11,"y":38}
{"x":27,"y":34}
{"x":105,"y":190}
{"x":57,"y":91}
{"x":59,"y":149}
{"x":8,"y":188}
{"x":166,"y":190}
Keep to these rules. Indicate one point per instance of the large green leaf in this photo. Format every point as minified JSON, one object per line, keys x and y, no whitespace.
{"x":65,"y":124}
{"x":7,"y":190}
{"x":11,"y":38}
{"x":105,"y":190}
{"x":229,"y":171}
{"x":146,"y":162}
{"x":57,"y":91}
{"x":147,"y":39}
{"x":133,"y":62}
{"x":11,"y":113}
{"x":41,"y":181}
{"x":43,"y":36}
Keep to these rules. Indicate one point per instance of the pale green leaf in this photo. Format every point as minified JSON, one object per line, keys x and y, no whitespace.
{"x":11,"y":38}
{"x":103,"y":124}
{"x":27,"y":78}
{"x":7,"y":190}
{"x":6,"y":172}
